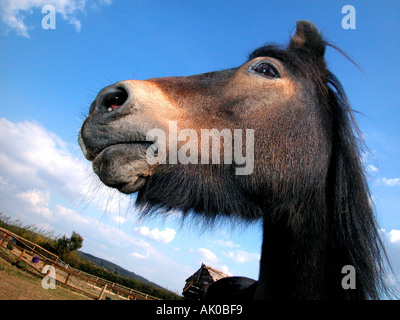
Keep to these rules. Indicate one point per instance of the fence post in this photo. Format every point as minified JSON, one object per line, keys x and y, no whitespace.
{"x":102,"y":292}
{"x":66,"y":280}
{"x":20,"y":257}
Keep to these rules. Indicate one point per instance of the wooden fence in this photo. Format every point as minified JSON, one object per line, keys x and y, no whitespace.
{"x":29,"y":255}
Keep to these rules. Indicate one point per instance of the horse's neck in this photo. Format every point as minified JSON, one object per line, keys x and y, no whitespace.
{"x":295,"y":265}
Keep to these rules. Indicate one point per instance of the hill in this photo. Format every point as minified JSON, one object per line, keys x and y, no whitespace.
{"x":115,"y":269}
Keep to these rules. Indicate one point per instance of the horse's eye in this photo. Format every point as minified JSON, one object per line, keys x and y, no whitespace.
{"x":267,"y":70}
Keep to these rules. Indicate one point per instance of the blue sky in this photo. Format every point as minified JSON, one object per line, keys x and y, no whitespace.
{"x":48,"y":79}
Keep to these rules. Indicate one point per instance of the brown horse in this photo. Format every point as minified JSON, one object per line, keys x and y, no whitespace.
{"x":306,"y":183}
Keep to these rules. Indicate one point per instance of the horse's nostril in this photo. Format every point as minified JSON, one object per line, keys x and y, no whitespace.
{"x":114,"y":100}
{"x":111,"y":99}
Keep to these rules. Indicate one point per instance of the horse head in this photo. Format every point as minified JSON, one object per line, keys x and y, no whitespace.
{"x":271,"y":139}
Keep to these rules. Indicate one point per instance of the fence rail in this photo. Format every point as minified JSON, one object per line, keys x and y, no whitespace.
{"x":32,"y":256}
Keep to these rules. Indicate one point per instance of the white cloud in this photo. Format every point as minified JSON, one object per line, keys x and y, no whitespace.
{"x":36,"y":166}
{"x":37,"y":202}
{"x":13,"y":12}
{"x":242,"y":256}
{"x":139,"y":255}
{"x":225,"y":243}
{"x":208,"y":256}
{"x":34,"y":157}
{"x":394,"y":236}
{"x":225,"y":269}
{"x":372,"y":168}
{"x":391,"y":241}
{"x":35,"y":161}
{"x":164,"y":236}
{"x":35,"y":197}
{"x":119,"y":219}
{"x":391,"y":182}
{"x":73,"y":217}
{"x":3,"y":183}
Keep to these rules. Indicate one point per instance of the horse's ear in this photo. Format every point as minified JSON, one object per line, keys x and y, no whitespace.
{"x":308,"y":40}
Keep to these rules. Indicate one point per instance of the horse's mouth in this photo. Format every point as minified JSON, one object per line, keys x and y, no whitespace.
{"x":133,"y":144}
{"x":123,"y":166}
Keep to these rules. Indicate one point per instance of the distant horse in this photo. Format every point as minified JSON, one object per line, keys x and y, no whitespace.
{"x":306,"y":183}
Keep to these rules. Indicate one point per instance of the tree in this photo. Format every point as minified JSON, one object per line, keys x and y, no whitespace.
{"x":65,"y":245}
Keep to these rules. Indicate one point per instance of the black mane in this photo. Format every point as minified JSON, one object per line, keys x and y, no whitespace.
{"x":352,"y":229}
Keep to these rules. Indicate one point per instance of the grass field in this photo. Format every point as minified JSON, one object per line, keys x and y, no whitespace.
{"x":16,"y":284}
